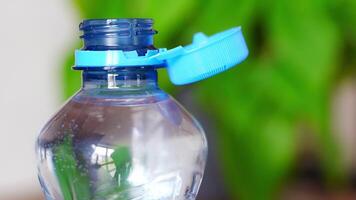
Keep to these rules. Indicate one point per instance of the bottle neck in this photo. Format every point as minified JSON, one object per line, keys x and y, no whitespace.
{"x":125,"y":79}
{"x":118,"y":34}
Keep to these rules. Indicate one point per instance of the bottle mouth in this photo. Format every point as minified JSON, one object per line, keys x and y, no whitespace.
{"x":125,"y":34}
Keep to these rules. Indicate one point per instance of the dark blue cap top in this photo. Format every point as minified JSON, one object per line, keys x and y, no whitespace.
{"x":118,"y":34}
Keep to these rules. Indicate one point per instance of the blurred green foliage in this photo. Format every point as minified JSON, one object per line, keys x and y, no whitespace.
{"x":299,"y":51}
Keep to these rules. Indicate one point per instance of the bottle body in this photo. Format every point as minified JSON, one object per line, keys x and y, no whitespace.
{"x":124,"y":139}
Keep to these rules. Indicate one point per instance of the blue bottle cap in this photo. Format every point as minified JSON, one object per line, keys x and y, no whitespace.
{"x":205,"y":57}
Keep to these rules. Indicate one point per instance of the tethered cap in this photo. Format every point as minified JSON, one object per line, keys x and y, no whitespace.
{"x":205,"y":57}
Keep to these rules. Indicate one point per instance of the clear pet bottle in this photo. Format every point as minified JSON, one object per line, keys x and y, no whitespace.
{"x":121,"y":137}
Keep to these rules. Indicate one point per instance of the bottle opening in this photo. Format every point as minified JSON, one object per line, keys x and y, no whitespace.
{"x":128,"y":34}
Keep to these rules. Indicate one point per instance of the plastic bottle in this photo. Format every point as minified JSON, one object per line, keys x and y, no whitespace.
{"x":121,"y":137}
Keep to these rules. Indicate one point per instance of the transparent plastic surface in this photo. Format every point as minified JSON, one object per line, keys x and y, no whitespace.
{"x":113,"y":145}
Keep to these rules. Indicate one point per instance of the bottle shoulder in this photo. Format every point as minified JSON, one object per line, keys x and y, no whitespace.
{"x":85,"y":115}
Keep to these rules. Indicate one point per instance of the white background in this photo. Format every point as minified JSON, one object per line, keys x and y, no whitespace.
{"x":34,"y":36}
